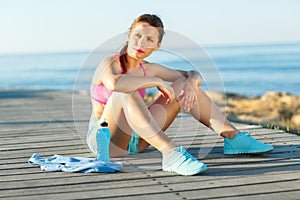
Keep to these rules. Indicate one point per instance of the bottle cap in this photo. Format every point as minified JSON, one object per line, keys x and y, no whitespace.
{"x":104,"y":123}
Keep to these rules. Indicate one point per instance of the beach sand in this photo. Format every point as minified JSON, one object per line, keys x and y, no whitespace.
{"x":271,"y":110}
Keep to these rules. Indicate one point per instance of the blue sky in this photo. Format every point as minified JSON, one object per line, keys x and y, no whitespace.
{"x":31,"y":26}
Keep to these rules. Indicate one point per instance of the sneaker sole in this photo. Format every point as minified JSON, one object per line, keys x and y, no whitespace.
{"x":200,"y":170}
{"x":245,"y":151}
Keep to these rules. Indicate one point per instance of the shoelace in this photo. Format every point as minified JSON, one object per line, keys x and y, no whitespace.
{"x":249,"y":136}
{"x":186,"y":155}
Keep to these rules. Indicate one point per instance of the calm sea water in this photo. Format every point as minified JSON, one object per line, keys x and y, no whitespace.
{"x":249,"y":70}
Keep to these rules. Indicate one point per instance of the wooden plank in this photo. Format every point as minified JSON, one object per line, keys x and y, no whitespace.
{"x":92,"y":189}
{"x":51,"y":130}
{"x":241,"y":190}
{"x":287,"y":194}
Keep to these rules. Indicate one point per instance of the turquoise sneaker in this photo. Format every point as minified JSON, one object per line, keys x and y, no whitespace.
{"x":243,"y":143}
{"x":183,"y":163}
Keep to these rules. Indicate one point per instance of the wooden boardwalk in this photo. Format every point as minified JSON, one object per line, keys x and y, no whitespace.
{"x":42,"y":122}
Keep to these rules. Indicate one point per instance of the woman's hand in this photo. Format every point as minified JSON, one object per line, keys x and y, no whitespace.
{"x":188,"y":95}
{"x":167,"y":92}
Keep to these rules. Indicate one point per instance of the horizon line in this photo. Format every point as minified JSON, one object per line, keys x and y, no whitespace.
{"x":228,"y":45}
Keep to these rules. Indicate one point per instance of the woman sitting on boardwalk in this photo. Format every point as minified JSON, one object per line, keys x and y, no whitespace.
{"x":118,"y":97}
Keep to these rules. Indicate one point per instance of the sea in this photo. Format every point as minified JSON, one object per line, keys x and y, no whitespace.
{"x":250,"y":70}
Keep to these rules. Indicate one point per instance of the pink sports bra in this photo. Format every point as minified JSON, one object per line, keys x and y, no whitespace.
{"x":101,"y":94}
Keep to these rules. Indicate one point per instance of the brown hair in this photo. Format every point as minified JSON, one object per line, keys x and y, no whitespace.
{"x":152,"y":20}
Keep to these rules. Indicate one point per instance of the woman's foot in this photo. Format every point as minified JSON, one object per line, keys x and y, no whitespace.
{"x":181,"y":162}
{"x":243,"y":143}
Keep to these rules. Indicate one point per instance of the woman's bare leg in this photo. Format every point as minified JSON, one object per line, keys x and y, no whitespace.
{"x":121,"y":109}
{"x":127,"y":112}
{"x":163,"y":113}
{"x":158,"y":120}
{"x":205,"y":111}
{"x":208,"y":113}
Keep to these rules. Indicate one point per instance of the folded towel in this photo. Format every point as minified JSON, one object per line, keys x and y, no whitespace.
{"x":76,"y":164}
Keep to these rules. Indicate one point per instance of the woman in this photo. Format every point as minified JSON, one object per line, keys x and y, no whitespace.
{"x":118,"y":93}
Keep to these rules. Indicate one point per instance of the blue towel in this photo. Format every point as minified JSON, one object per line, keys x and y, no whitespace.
{"x":76,"y":164}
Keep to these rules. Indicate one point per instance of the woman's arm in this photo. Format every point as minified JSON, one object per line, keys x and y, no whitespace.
{"x":188,"y":96}
{"x":171,"y":75}
{"x":109,"y":73}
{"x":131,"y":83}
{"x":112,"y":78}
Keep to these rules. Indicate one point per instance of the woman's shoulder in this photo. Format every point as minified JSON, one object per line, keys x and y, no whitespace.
{"x":110,"y":59}
{"x":109,"y":62}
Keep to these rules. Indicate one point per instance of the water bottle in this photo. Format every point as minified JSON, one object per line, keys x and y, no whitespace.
{"x":103,"y":140}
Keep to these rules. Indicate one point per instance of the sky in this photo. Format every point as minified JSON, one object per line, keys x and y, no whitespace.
{"x":39,"y":26}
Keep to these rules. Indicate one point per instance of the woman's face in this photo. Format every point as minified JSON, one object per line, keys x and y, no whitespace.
{"x":142,"y":41}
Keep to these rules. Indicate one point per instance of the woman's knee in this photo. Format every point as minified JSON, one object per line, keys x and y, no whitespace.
{"x":178,"y":85}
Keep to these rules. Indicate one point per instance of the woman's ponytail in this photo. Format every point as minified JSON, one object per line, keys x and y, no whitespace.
{"x":123,"y":57}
